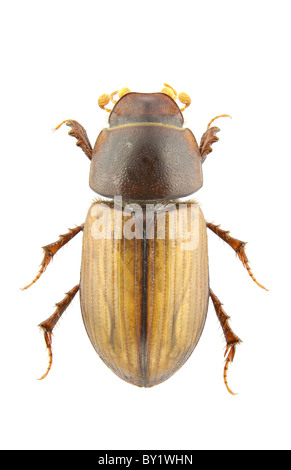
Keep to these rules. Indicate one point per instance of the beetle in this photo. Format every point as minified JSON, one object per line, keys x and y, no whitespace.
{"x":144,"y":286}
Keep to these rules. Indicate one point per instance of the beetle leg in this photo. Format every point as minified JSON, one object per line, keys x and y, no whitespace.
{"x":51,"y":250}
{"x":48,"y":325}
{"x":80,"y":134}
{"x":231,"y":339}
{"x":209,"y":137}
{"x":237,"y":245}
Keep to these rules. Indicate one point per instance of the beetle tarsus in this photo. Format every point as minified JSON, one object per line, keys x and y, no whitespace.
{"x":52,"y":249}
{"x":48,"y":342}
{"x":80,"y":134}
{"x":48,"y":325}
{"x":227,"y":362}
{"x":231,"y":339}
{"x":44,"y":264}
{"x":217,"y":117}
{"x":237,"y":245}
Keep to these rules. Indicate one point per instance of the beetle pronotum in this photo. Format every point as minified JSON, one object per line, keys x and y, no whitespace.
{"x":144,"y":285}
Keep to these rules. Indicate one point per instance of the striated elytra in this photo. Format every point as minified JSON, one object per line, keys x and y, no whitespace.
{"x":151,"y":302}
{"x":144,"y":286}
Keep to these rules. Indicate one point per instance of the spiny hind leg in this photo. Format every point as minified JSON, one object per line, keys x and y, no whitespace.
{"x":48,"y":325}
{"x":231,"y":339}
{"x":52,"y":249}
{"x":237,"y":245}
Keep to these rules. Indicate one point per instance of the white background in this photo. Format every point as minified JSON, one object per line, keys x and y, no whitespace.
{"x":231,"y":57}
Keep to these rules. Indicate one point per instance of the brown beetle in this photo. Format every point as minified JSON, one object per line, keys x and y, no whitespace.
{"x":144,"y":292}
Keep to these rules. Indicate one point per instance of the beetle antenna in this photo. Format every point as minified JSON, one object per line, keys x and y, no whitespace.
{"x":123,"y":91}
{"x":174,"y":96}
{"x":111,"y":97}
{"x":185,"y":99}
{"x":103,"y":100}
